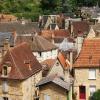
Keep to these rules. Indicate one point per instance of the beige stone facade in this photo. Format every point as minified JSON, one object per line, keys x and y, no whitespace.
{"x":82,"y":79}
{"x":57,"y":69}
{"x":53,"y":92}
{"x":20,"y":89}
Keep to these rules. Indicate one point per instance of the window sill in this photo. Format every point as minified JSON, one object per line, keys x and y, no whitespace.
{"x":91,"y":79}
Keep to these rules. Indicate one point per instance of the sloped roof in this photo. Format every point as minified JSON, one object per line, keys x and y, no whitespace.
{"x":28,"y":27}
{"x":6,"y":35}
{"x":90,"y":54}
{"x":56,"y":80}
{"x":47,"y":65}
{"x":17,"y":57}
{"x":64,"y":62}
{"x":49,"y":62}
{"x":48,"y":34}
{"x":80,"y":27}
{"x":37,"y":43}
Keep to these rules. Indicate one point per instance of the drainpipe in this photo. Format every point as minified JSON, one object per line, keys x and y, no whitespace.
{"x":71,"y":63}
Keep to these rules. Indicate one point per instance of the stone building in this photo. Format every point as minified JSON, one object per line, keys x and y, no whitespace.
{"x":87,"y":69}
{"x":53,"y":88}
{"x":19,"y":73}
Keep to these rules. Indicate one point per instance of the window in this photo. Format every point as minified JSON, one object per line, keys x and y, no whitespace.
{"x":92,"y":73}
{"x":47,"y":97}
{"x":5,"y":98}
{"x":4,"y":71}
{"x":92,"y":89}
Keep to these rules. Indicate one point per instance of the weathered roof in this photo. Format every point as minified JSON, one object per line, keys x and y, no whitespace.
{"x":56,"y":80}
{"x":48,"y":34}
{"x":6,"y":35}
{"x":22,"y":62}
{"x":28,"y":27}
{"x":37,"y":43}
{"x":64,"y":62}
{"x":80,"y":27}
{"x":90,"y":54}
{"x":47,"y":65}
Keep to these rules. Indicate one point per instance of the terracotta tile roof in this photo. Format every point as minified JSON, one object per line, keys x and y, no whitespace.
{"x":90,"y":54}
{"x":49,"y":34}
{"x":80,"y":27}
{"x":23,"y":62}
{"x":37,"y":43}
{"x":61,"y":33}
{"x":56,"y":80}
{"x":49,"y":62}
{"x":47,"y":65}
{"x":64,"y":62}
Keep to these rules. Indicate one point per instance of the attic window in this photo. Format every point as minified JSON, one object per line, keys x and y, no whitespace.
{"x":6,"y":70}
{"x":57,"y":64}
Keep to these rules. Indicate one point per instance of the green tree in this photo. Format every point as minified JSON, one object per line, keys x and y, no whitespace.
{"x":96,"y":95}
{"x":52,"y":6}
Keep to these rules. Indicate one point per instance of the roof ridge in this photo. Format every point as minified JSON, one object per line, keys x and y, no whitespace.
{"x":23,"y":43}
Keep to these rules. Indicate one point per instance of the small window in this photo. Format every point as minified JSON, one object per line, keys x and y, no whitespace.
{"x":5,"y":98}
{"x":57,"y":63}
{"x":40,"y":54}
{"x":47,"y":97}
{"x":92,"y":89}
{"x":4,"y":71}
{"x":92,"y":74}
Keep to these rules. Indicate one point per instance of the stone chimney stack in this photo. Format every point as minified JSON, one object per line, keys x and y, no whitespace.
{"x":14,"y":34}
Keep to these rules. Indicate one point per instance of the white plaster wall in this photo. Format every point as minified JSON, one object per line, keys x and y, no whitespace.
{"x":46,"y":55}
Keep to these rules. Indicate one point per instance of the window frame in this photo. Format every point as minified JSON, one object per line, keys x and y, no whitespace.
{"x":92,"y":86}
{"x":5,"y":70}
{"x":93,"y":71}
{"x":46,"y":97}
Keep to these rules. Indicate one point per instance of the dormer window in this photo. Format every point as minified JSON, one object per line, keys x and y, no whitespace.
{"x":6,"y":70}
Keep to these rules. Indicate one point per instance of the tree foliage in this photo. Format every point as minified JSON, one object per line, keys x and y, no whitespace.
{"x":33,"y":8}
{"x":96,"y":95}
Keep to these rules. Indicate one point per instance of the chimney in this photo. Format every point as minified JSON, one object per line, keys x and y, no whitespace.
{"x":6,"y":46}
{"x":14,"y":34}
